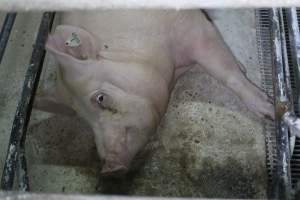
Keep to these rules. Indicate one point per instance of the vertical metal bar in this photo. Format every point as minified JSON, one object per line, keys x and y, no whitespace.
{"x":19,"y":128}
{"x":294,"y":35}
{"x":22,"y":174}
{"x":287,"y":75}
{"x":283,"y":179}
{"x":295,"y":48}
{"x":5,"y":32}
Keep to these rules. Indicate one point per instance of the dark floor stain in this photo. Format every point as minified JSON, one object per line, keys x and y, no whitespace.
{"x":230,"y":179}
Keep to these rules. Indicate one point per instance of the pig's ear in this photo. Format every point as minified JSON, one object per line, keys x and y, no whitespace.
{"x":73,"y":41}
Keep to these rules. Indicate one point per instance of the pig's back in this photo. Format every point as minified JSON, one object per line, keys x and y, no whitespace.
{"x":124,"y":29}
{"x":114,"y":23}
{"x":144,"y":32}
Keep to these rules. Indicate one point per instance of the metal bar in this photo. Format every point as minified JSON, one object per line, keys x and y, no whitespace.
{"x":294,"y":35}
{"x":295,"y":48}
{"x":5,"y":32}
{"x":19,"y":128}
{"x":286,"y":74}
{"x":22,"y":174}
{"x":59,"y":5}
{"x":282,"y":183}
{"x":33,"y":196}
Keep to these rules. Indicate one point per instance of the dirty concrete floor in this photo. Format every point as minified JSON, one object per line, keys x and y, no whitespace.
{"x":208,"y":144}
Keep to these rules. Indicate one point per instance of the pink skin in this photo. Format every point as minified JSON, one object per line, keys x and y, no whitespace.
{"x":123,"y":92}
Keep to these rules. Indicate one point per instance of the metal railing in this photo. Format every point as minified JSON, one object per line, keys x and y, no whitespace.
{"x":15,"y":158}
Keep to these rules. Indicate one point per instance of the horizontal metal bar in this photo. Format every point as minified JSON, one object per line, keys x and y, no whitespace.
{"x":5,"y":32}
{"x":295,"y":160}
{"x":295,"y":169}
{"x":32,"y":196}
{"x":296,"y":176}
{"x":58,"y":5}
{"x":24,"y":108}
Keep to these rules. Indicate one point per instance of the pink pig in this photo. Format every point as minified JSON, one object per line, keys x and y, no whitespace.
{"x":117,"y":69}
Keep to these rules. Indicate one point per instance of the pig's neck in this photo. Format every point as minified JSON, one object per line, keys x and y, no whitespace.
{"x":157,"y":66}
{"x":124,"y":56}
{"x":158,"y":58}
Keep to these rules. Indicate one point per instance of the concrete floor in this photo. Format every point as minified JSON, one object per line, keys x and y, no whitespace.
{"x":208,"y":144}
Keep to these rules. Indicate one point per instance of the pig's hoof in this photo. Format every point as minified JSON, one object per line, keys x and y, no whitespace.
{"x":261,"y":105}
{"x":266,"y":111}
{"x":114,"y":171}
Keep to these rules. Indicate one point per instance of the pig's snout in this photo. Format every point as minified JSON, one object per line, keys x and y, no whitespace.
{"x":112,"y":170}
{"x":115,"y":167}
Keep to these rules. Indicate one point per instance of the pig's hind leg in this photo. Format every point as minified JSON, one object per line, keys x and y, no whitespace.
{"x":210,"y":51}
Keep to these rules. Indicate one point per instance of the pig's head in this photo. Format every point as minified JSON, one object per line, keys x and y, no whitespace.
{"x":107,"y":94}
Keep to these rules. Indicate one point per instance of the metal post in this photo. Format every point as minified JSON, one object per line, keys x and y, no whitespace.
{"x":295,"y":48}
{"x":16,"y":147}
{"x":294,"y":35}
{"x":283,"y":178}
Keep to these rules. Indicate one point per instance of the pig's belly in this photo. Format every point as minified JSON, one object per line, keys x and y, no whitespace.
{"x":143,"y":33}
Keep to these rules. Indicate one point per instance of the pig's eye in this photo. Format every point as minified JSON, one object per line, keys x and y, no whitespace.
{"x":103,"y":100}
{"x":100,"y":98}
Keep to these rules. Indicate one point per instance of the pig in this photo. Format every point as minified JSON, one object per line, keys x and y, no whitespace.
{"x":117,"y":69}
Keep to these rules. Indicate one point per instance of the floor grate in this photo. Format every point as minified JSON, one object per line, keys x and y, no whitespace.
{"x":264,"y":45}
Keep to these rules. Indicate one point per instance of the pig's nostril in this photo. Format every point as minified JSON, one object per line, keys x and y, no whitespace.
{"x":114,"y":171}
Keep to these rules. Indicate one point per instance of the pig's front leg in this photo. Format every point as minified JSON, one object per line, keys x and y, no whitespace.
{"x":211,"y":52}
{"x":49,"y":101}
